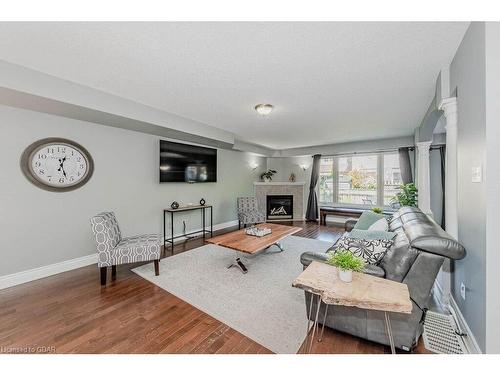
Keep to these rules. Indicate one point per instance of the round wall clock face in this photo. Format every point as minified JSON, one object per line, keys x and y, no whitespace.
{"x":57,"y":164}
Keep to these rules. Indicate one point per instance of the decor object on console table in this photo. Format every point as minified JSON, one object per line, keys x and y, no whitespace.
{"x":202,"y":202}
{"x":365,"y":292}
{"x":268,"y":176}
{"x":346,"y":262}
{"x":174,"y":205}
{"x":189,"y":207}
{"x":248,"y":211}
{"x":113,"y":250}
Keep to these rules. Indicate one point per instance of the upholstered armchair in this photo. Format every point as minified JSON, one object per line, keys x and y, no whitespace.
{"x":248,"y":212}
{"x":113,"y":250}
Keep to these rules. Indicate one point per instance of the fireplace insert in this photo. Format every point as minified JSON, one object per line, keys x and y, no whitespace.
{"x":279,"y":207}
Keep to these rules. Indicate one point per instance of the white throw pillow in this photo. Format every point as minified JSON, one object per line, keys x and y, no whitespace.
{"x":380,"y":225}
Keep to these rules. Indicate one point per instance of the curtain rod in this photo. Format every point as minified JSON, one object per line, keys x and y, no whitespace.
{"x":411,"y":148}
{"x":362,"y":152}
{"x":437,"y":147}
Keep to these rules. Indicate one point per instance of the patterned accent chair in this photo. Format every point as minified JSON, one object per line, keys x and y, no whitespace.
{"x":248,"y":212}
{"x":113,"y":250}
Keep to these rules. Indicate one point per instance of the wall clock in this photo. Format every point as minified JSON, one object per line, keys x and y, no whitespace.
{"x":57,"y":164}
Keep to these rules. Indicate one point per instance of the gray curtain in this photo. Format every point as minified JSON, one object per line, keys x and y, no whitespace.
{"x":442,"y":152}
{"x":312,"y":203}
{"x":405,"y":165}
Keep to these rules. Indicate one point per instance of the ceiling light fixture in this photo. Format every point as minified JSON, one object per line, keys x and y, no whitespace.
{"x":264,"y":109}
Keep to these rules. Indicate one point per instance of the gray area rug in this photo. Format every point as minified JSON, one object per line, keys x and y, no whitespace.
{"x":261,"y":304}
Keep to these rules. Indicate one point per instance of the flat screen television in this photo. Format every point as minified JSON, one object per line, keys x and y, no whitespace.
{"x":187,"y":163}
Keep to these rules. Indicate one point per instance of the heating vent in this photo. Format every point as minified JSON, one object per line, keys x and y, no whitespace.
{"x":441,"y":334}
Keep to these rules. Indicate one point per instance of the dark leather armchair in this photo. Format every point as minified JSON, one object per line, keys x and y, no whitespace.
{"x":420,"y":247}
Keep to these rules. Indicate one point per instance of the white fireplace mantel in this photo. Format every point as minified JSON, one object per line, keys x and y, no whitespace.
{"x":280,"y":183}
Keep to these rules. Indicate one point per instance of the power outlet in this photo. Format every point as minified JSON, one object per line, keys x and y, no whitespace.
{"x":462,"y":290}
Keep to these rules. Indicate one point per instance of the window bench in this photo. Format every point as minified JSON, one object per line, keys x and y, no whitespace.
{"x":324,"y":211}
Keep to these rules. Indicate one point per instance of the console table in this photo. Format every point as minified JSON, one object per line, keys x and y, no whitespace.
{"x":364,"y":292}
{"x":172,"y":211}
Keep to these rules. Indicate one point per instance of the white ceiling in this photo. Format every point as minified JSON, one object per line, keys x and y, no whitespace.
{"x":329,"y":82}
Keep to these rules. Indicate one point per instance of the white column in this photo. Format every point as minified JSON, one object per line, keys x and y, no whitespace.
{"x":424,"y":177}
{"x":449,"y":107}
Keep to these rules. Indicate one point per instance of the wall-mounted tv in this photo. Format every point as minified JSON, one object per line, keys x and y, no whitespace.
{"x":187,"y":163}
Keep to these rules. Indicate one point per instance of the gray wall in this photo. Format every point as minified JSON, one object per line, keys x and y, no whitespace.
{"x":287,"y":165}
{"x":467,"y":75}
{"x":41,"y":228}
{"x":492,"y":178}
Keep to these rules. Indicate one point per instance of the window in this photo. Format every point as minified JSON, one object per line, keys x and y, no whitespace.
{"x":359,"y":180}
{"x":326,"y":180}
{"x":392,"y":177}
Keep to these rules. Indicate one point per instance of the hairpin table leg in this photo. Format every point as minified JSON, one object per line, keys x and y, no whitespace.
{"x":389,"y":332}
{"x":323,"y":325}
{"x":315,"y":326}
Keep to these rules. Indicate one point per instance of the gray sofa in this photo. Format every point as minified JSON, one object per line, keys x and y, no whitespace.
{"x":420,"y":247}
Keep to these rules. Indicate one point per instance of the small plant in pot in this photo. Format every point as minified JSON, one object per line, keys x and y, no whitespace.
{"x":346,"y":262}
{"x":268,"y":176}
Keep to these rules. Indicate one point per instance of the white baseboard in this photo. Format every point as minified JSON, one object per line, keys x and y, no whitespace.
{"x":49,"y":270}
{"x":469,"y":340}
{"x":68,"y":265}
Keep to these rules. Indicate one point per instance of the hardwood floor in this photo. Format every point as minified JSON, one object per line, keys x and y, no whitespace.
{"x":72,"y":313}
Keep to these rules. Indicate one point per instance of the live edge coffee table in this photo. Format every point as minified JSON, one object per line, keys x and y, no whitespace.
{"x":251,"y":246}
{"x":364,"y":292}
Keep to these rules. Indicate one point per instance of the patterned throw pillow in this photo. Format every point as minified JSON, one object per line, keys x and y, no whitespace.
{"x":372,"y":251}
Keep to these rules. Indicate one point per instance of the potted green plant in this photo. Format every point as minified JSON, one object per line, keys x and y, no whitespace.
{"x":377,"y":210}
{"x":346,"y":262}
{"x":268,"y":175}
{"x":408,"y":195}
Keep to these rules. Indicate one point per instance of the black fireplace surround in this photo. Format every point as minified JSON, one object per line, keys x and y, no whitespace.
{"x":279,"y":207}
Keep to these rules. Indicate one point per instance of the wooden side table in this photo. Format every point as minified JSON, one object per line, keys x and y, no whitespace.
{"x":364,"y":292}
